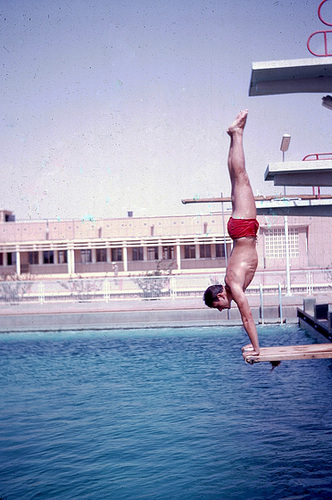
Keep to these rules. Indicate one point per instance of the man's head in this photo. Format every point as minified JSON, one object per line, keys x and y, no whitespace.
{"x":216,"y":296}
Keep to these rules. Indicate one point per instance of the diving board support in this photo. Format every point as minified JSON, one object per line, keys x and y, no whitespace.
{"x":289,"y":353}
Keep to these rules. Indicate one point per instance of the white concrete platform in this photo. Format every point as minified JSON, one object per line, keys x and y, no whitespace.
{"x":291,"y":76}
{"x":300,"y":173}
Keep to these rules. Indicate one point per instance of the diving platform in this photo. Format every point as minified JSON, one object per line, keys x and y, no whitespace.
{"x":291,"y":76}
{"x":298,"y":205}
{"x":289,"y":353}
{"x":300,"y":173}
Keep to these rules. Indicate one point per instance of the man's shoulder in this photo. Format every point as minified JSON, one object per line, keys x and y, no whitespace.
{"x":238,"y":295}
{"x":234,"y":286}
{"x":234,"y":278}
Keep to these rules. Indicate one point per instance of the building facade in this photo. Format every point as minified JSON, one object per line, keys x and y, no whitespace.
{"x":136,"y":245}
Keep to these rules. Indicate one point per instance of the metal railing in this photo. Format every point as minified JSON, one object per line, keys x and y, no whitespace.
{"x":326,"y":52}
{"x":323,"y":32}
{"x":318,"y":156}
{"x":304,"y":282}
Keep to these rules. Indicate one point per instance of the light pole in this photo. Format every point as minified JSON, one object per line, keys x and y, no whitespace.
{"x":225,"y":246}
{"x":284,"y":147}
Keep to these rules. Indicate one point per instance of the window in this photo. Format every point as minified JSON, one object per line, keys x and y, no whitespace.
{"x":1,"y":259}
{"x":101,"y":255}
{"x":205,"y":251}
{"x":33,"y":258}
{"x":62,"y":256}
{"x":152,"y":253}
{"x":117,"y":254}
{"x":138,"y":253}
{"x":11,"y":259}
{"x":220,"y":250}
{"x":48,"y":257}
{"x":189,"y":251}
{"x":86,"y":256}
{"x":275,"y":246}
{"x":168,"y":253}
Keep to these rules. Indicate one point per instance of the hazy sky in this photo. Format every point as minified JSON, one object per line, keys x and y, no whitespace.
{"x":121,"y":105}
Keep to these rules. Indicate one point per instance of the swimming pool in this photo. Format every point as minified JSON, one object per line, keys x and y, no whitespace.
{"x":160,"y":414}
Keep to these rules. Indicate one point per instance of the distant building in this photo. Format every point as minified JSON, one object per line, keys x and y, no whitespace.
{"x":131,"y":245}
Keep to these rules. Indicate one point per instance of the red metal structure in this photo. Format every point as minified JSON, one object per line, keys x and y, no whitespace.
{"x":326,"y":50}
{"x":318,"y":156}
{"x":324,"y":33}
{"x":320,"y":15}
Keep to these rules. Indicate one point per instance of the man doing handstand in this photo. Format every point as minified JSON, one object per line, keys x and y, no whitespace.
{"x":242,"y":228}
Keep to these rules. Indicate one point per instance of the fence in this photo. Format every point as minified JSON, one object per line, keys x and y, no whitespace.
{"x":305,"y":282}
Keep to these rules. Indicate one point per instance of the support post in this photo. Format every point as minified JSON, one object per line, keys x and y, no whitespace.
{"x":125,"y":259}
{"x":18,"y":262}
{"x":288,"y":287}
{"x":178,"y":256}
{"x":225,"y":246}
{"x":280,"y":304}
{"x":261,"y":307}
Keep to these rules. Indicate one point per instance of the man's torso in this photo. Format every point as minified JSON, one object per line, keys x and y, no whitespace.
{"x":242,"y":263}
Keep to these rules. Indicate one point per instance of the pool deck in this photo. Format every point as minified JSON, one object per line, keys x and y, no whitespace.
{"x":139,"y":313}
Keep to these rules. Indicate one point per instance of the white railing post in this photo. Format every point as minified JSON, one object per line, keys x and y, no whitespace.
{"x":41,"y":292}
{"x":172,"y":287}
{"x":106,"y":286}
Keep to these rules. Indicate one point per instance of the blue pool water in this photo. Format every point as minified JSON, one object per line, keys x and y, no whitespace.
{"x":162,"y":414}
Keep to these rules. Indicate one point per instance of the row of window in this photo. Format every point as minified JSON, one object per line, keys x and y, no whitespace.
{"x":275,"y":248}
{"x":168,"y":253}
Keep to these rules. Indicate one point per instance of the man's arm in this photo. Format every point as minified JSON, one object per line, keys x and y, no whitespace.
{"x":246,"y":316}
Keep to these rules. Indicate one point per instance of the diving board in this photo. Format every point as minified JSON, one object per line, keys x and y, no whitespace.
{"x":289,"y":353}
{"x":296,"y":204}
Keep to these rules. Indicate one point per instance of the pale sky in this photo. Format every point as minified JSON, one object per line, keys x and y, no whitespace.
{"x":122,"y":105}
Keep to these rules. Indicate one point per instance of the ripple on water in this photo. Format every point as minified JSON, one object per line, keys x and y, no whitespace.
{"x":171,"y":413}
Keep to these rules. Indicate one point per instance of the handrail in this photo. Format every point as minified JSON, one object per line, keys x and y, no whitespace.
{"x":319,"y":13}
{"x":326,"y":53}
{"x":316,"y":156}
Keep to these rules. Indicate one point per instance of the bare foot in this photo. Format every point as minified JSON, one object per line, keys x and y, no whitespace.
{"x":239,"y":123}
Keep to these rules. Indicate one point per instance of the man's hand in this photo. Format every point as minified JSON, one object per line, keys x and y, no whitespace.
{"x":250,"y":350}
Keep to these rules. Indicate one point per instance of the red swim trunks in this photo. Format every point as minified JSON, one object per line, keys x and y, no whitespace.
{"x":242,"y":228}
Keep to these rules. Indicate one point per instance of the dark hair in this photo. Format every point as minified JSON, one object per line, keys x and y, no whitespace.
{"x":211,"y":294}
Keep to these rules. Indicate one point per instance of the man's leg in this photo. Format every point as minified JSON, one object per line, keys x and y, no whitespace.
{"x":243,"y":202}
